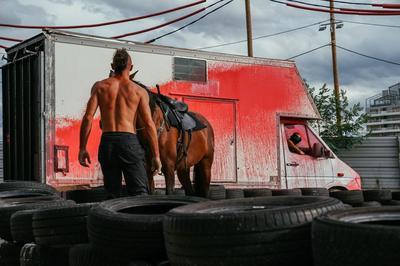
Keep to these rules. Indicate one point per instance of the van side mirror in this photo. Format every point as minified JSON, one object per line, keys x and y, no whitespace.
{"x":327,"y":153}
{"x":318,"y":150}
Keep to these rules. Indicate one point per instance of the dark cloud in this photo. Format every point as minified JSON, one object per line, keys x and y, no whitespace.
{"x":360,"y":76}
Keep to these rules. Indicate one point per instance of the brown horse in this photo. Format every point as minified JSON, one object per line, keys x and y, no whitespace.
{"x":200,"y":152}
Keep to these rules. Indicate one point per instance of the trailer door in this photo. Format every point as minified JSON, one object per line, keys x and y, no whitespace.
{"x":22,"y":123}
{"x":221,"y":115}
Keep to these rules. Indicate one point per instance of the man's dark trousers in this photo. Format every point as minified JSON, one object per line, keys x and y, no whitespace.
{"x":121,"y":152}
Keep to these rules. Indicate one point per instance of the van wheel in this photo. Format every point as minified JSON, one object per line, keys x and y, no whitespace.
{"x":250,"y":231}
{"x":357,"y":237}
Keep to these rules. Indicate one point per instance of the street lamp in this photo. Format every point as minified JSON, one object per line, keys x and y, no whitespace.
{"x":338,"y":25}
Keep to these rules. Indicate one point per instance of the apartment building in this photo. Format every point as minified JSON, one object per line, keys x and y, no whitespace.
{"x":383,"y":111}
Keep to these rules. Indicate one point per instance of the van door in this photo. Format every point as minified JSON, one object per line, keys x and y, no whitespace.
{"x":299,"y":171}
{"x":302,"y":169}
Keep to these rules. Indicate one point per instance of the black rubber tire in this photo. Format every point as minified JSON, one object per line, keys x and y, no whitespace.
{"x":217,"y":192}
{"x":36,"y":255}
{"x":86,"y":255}
{"x":396,"y":194}
{"x":20,"y":185}
{"x":392,"y":203}
{"x":286,"y":192}
{"x":133,"y":225}
{"x":348,"y":196}
{"x":8,"y":210}
{"x":21,"y":224}
{"x":61,"y":225}
{"x":97,"y":194}
{"x":251,"y":231}
{"x":368,"y":204}
{"x":178,"y":192}
{"x":159,"y":191}
{"x":24,"y":193}
{"x":9,"y":253}
{"x":257,"y":192}
{"x":29,"y":200}
{"x":315,"y":191}
{"x":234,"y":193}
{"x":380,"y":195}
{"x":357,"y":237}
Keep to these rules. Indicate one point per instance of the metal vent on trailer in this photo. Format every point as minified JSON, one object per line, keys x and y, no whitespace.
{"x":188,"y":69}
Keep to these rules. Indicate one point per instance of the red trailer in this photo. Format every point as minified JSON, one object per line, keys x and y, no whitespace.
{"x":254,"y":105}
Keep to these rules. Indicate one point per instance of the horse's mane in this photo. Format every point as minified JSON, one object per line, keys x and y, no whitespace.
{"x":152,"y":95}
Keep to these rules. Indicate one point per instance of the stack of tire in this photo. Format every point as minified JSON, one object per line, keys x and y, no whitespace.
{"x":16,"y":197}
{"x":127,"y":231}
{"x":366,"y":198}
{"x":249,"y":231}
{"x":357,"y":237}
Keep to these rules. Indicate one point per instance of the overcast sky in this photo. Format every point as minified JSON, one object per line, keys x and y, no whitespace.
{"x":361,"y":77}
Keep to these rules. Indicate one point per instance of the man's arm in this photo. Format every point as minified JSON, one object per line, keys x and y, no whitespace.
{"x":86,"y":126}
{"x":294,"y":148}
{"x":150,"y":128}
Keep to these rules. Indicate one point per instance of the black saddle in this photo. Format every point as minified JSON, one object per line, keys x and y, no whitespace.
{"x":178,"y":115}
{"x":176,"y":112}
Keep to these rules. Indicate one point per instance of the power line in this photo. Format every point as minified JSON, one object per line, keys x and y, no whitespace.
{"x":159,"y":26}
{"x":10,"y":39}
{"x":194,"y":21}
{"x":103,"y":23}
{"x":371,"y":24}
{"x":368,"y":56}
{"x":309,"y":51}
{"x":366,"y":4}
{"x":349,"y":3}
{"x":3,"y":47}
{"x":347,"y":11}
{"x":264,"y":36}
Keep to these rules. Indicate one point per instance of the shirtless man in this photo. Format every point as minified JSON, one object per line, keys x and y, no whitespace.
{"x":120,"y":101}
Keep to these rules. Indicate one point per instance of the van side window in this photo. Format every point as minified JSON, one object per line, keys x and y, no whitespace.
{"x":297,"y":138}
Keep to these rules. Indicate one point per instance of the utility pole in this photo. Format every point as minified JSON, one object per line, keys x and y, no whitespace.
{"x":249,"y":32}
{"x":334,"y":66}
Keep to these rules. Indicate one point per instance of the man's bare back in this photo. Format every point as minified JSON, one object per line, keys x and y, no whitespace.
{"x":118,"y":100}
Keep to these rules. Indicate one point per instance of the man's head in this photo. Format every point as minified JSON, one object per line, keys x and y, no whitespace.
{"x":121,"y":61}
{"x":295,"y":138}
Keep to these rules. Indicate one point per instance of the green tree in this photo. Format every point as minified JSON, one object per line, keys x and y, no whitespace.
{"x":351,"y":130}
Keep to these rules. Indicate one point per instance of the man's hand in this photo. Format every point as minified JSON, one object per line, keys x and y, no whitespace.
{"x":156,"y":166}
{"x":83,"y":157}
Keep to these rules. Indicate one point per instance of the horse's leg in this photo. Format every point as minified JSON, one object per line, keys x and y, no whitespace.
{"x":202,"y":177}
{"x":150,"y":178}
{"x":168,"y":169}
{"x":184,"y":178}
